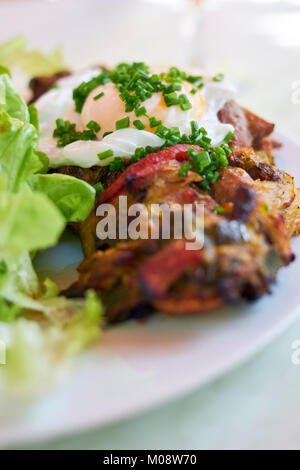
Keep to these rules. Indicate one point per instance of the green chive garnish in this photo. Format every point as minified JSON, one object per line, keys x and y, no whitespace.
{"x":171,"y":99}
{"x":107,"y":133}
{"x":228,"y":137}
{"x":184,"y":103}
{"x":219,"y":210}
{"x":122,"y":123}
{"x":105,"y":154}
{"x":219,"y":77}
{"x":117,"y":164}
{"x":141,"y":111}
{"x":93,"y":126}
{"x":99,"y":188}
{"x":183,"y":170}
{"x":139,"y":125}
{"x":154,"y":122}
{"x":97,"y":97}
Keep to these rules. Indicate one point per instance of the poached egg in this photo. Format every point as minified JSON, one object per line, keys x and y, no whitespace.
{"x":109,"y":108}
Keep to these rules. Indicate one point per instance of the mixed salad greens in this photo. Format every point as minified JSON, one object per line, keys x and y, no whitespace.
{"x":38,"y":327}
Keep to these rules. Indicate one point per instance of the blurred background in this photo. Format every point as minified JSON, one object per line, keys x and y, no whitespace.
{"x":256,"y":42}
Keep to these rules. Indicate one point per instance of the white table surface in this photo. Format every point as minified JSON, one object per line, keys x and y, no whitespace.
{"x":257,"y":405}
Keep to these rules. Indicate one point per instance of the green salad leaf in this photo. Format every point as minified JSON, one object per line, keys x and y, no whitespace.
{"x":34,"y":354}
{"x":8,"y":311}
{"x":33,"y":116}
{"x":83,"y":328}
{"x":18,"y":155}
{"x":74,"y":197}
{"x":19,"y":287}
{"x":32,"y":222}
{"x":10,"y":100}
{"x":9,"y":48}
{"x":34,"y":210}
{"x":33,"y":62}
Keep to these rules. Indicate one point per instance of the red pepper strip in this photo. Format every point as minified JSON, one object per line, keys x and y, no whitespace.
{"x":163,"y":268}
{"x":139,"y":172}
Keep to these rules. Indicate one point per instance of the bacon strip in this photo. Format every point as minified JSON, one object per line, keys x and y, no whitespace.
{"x":138,"y":173}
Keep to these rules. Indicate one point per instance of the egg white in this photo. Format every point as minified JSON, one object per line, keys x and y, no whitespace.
{"x":123,"y":143}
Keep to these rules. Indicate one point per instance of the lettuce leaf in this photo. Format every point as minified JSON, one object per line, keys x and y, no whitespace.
{"x":83,"y":327}
{"x":74,"y":197}
{"x":9,"y":48}
{"x":36,"y":356}
{"x":19,"y":287}
{"x":33,"y":62}
{"x":18,"y":155}
{"x":34,"y":210}
{"x":8,"y":311}
{"x":10,"y":101}
{"x":32,"y":222}
{"x":29,"y":364}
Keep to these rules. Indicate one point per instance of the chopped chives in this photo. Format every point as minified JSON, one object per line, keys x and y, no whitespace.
{"x":105,"y":154}
{"x":194,"y":127}
{"x":107,"y":133}
{"x":183,"y":170}
{"x":122,"y":123}
{"x":99,"y":188}
{"x":197,"y":80}
{"x":228,"y":137}
{"x":97,"y":97}
{"x":136,"y":84}
{"x":66,"y":133}
{"x":129,"y":107}
{"x":141,"y":111}
{"x":200,"y":159}
{"x":184,"y":103}
{"x":171,"y":99}
{"x":117,"y":164}
{"x":219,"y":210}
{"x":93,"y":126}
{"x":154,"y":122}
{"x":139,"y":125}
{"x":60,"y":123}
{"x":219,"y":77}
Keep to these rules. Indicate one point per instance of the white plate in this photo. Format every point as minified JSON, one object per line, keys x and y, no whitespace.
{"x":137,"y":366}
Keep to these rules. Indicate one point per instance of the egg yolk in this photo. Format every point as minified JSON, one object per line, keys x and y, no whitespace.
{"x":109,"y":108}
